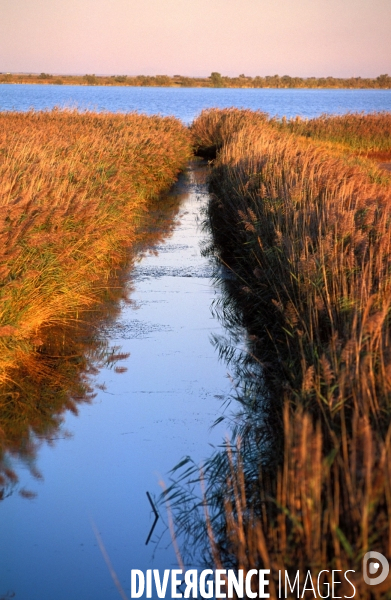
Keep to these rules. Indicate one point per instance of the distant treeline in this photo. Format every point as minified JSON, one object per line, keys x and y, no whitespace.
{"x":214,"y":80}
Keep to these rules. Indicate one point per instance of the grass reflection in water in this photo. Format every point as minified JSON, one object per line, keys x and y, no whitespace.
{"x":59,"y":376}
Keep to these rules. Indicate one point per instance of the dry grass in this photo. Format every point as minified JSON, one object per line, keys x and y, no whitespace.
{"x":318,"y":237}
{"x":216,"y":80}
{"x":318,"y":512}
{"x":73,"y":190}
{"x":215,"y":127}
{"x":60,"y":375}
{"x":366,"y":134}
{"x":308,"y":234}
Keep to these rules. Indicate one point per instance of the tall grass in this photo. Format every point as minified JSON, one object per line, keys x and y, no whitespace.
{"x":74,"y":187}
{"x":215,"y":127}
{"x":307,"y":235}
{"x":366,"y":134}
{"x":60,"y":376}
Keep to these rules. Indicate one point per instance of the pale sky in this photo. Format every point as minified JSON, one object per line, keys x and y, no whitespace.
{"x":195,"y":37}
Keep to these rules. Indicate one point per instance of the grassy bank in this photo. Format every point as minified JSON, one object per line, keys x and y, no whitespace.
{"x":306,"y":231}
{"x":364,"y":134}
{"x":214,"y":80}
{"x":74,"y":188}
{"x":61,"y":375}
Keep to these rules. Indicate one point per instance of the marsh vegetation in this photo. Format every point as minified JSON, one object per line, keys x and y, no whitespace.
{"x":78,"y":193}
{"x":304,"y":227}
{"x":300,"y":224}
{"x":61,"y":375}
{"x":216,"y":80}
{"x":74,"y":189}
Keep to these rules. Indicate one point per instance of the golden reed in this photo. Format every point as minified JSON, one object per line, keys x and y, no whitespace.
{"x":73,"y":189}
{"x":306,"y":229}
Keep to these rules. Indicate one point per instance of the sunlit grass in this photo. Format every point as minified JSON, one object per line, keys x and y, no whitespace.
{"x":60,"y":374}
{"x":73,"y":190}
{"x":366,"y":134}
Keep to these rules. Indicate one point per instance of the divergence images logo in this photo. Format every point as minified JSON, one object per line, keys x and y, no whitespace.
{"x":375,"y":568}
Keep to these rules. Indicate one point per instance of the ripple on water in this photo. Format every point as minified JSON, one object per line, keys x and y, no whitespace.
{"x":202,"y":271}
{"x":133,"y":329}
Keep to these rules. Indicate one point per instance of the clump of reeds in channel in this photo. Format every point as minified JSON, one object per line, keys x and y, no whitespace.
{"x":73,"y":188}
{"x":308,"y":235}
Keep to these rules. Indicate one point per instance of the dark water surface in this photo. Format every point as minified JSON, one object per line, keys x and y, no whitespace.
{"x":187,"y":103}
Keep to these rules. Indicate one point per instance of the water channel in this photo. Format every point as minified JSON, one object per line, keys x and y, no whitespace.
{"x":142,"y":421}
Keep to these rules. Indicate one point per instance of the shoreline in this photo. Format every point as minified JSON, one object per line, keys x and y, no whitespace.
{"x":164,"y":81}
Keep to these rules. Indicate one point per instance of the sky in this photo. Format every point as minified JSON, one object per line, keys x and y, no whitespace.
{"x":302,"y":38}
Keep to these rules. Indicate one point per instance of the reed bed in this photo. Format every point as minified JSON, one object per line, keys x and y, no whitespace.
{"x":61,"y":376}
{"x":215,"y":127}
{"x":74,"y":188}
{"x":307,"y":235}
{"x":366,"y":134}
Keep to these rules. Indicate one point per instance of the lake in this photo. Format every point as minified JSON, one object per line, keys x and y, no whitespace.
{"x":187,"y":103}
{"x":95,"y":468}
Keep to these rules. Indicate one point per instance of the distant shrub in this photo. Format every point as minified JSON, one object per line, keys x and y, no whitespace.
{"x":90,"y":79}
{"x":187,"y":82}
{"x":163,"y":80}
{"x":217,"y":80}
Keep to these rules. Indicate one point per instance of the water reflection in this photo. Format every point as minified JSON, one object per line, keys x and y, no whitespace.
{"x":253,"y":423}
{"x":256,"y":504}
{"x":60,"y":375}
{"x":138,"y":425}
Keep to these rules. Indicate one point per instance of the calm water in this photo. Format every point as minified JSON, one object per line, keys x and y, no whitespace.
{"x":133,"y":433}
{"x":142,"y":421}
{"x":187,"y":103}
